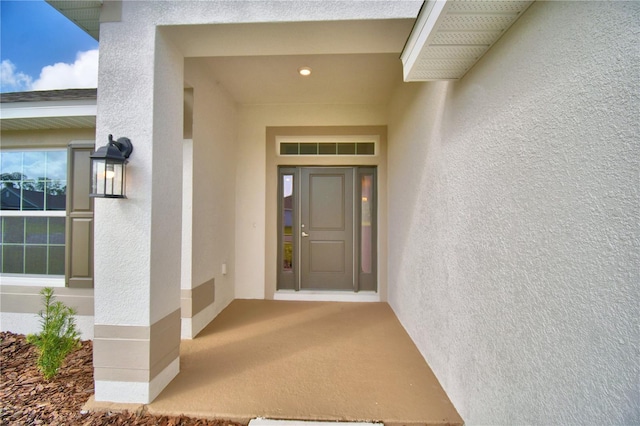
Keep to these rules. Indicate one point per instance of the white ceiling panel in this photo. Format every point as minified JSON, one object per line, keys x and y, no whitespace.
{"x":450,"y":36}
{"x":88,"y":122}
{"x":85,"y":14}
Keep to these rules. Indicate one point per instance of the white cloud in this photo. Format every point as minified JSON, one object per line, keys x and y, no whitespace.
{"x":12,"y":80}
{"x":83,"y":73}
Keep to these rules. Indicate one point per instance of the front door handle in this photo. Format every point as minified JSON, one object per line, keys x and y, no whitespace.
{"x":304,"y":234}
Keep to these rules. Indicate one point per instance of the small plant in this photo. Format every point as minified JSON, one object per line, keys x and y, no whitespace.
{"x":58,"y":337}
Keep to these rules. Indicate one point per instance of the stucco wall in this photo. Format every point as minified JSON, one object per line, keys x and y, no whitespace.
{"x":122,"y":289}
{"x":214,"y":169}
{"x":138,"y":240}
{"x":181,"y":12}
{"x":514,"y":261}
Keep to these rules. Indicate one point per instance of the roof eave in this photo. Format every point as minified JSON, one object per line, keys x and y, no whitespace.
{"x":65,"y":114}
{"x":450,"y":36}
{"x":84,"y":13}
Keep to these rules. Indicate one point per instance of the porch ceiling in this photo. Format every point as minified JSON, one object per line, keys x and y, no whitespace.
{"x":450,"y":36}
{"x":352,"y":62}
{"x":335,"y":79}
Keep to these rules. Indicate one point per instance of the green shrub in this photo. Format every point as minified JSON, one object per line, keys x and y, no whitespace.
{"x":58,"y":336}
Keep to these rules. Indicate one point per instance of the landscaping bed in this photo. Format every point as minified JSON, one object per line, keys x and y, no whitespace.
{"x":26,"y":398}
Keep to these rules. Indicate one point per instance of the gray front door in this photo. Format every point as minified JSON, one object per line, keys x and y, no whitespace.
{"x":326,"y":229}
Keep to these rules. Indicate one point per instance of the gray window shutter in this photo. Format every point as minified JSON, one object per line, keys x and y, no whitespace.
{"x":79,"y":233}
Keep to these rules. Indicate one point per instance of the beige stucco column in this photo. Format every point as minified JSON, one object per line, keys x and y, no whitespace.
{"x":138,"y":240}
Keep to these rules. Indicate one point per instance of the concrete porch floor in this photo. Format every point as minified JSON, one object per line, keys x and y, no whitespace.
{"x":306,"y":361}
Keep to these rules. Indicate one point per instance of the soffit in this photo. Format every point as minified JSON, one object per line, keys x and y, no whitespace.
{"x":53,"y":113}
{"x":450,"y":36}
{"x":85,"y":122}
{"x":85,"y":14}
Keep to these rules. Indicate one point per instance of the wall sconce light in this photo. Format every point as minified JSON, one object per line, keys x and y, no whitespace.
{"x":108,"y":169}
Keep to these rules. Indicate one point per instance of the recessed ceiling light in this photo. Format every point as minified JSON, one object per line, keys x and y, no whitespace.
{"x":304,"y":71}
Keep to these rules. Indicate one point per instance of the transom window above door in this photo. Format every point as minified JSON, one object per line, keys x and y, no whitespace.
{"x":329,"y":146}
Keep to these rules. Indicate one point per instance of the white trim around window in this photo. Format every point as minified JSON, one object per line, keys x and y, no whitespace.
{"x":33,"y":213}
{"x":32,"y":280}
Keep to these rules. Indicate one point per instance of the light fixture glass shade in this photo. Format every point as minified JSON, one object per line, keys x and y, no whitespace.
{"x":108,"y":169}
{"x":108,"y":179}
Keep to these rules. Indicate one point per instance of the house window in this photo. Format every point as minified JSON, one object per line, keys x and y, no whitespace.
{"x":33,"y":203}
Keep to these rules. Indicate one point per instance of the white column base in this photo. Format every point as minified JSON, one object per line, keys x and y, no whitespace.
{"x":190,"y":327}
{"x":136,"y":392}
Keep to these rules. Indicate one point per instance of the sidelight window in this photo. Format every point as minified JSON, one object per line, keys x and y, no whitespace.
{"x":287,"y":222}
{"x":366,"y":215}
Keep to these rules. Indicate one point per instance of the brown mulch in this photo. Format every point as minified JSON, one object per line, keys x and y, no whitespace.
{"x":26,"y":398}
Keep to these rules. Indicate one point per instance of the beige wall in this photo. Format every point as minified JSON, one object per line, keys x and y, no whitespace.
{"x":513,"y":206}
{"x":44,"y":138}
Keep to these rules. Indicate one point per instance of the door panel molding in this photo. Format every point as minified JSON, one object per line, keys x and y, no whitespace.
{"x":326,"y":217}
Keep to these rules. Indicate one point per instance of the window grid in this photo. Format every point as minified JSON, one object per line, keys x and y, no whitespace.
{"x":327,"y":148}
{"x":50,"y":242}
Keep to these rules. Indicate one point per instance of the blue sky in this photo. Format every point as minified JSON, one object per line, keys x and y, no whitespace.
{"x":40,"y":49}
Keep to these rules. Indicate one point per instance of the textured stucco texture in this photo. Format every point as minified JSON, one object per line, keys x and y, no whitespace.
{"x":514,"y":228}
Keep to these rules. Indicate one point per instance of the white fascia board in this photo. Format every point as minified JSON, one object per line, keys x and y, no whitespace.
{"x":82,"y":108}
{"x":425,"y":23}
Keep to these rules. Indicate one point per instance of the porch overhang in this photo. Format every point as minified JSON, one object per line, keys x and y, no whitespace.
{"x":450,"y":36}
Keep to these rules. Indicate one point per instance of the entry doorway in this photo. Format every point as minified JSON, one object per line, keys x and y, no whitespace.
{"x":327,"y":229}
